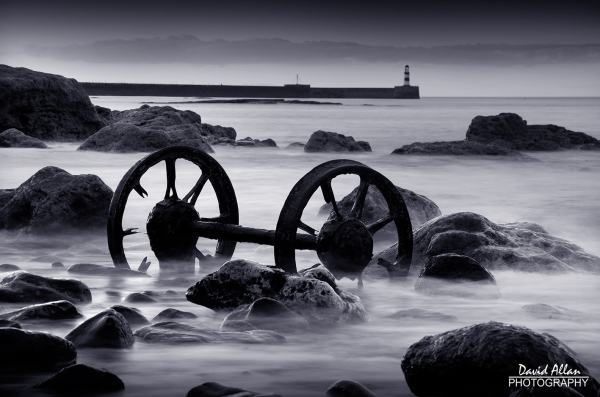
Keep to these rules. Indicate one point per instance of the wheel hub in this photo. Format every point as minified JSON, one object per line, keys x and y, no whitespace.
{"x":172,"y":245}
{"x":345,"y":247}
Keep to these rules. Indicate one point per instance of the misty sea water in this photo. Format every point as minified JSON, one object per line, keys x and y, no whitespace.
{"x":561,"y":192}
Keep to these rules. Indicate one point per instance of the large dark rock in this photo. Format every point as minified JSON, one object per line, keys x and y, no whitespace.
{"x":32,"y":349}
{"x":15,"y":138}
{"x":91,"y":269}
{"x":24,"y":287}
{"x":249,"y":142}
{"x":348,"y":388}
{"x":214,"y":389}
{"x":267,"y":313}
{"x":45,"y":106}
{"x":82,"y":378}
{"x":325,"y":141}
{"x":477,"y":361}
{"x":521,"y":246}
{"x":106,"y":329}
{"x":138,"y":297}
{"x":151,"y":128}
{"x":54,"y":201}
{"x":456,"y":275}
{"x":241,"y":282}
{"x":133,"y":315}
{"x":509,"y":130}
{"x":173,"y":332}
{"x":420,"y":209}
{"x":59,"y":310}
{"x":462,"y":148}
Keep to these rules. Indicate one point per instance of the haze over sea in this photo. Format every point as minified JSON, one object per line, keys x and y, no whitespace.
{"x":560,"y":192}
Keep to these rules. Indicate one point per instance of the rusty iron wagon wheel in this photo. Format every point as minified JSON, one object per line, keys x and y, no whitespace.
{"x":344,"y":243}
{"x":168,"y":243}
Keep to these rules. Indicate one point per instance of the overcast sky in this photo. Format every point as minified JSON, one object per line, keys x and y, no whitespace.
{"x":454,"y":48}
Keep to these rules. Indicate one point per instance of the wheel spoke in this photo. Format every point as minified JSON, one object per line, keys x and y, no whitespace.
{"x":140,"y":190}
{"x":197,"y":189}
{"x":130,"y":231}
{"x":329,"y":196}
{"x":359,"y":201}
{"x":218,"y":219}
{"x":378,"y":225}
{"x":170,"y":179}
{"x":303,"y":226}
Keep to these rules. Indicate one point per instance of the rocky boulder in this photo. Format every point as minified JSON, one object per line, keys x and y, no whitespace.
{"x":173,"y":332}
{"x":82,"y":378}
{"x":456,"y":275}
{"x":462,"y":148}
{"x":544,"y":311}
{"x":24,"y":287}
{"x":521,"y":246}
{"x":295,"y":146}
{"x":138,"y":297}
{"x":106,"y":329}
{"x":420,"y":209}
{"x":267,"y":313}
{"x":324,"y":141}
{"x":241,"y":282}
{"x":249,"y":142}
{"x":32,"y":349}
{"x":15,"y":138}
{"x":45,"y":106}
{"x":133,"y":315}
{"x":214,"y":389}
{"x":54,"y":201}
{"x":7,"y":267}
{"x":173,"y":314}
{"x":217,"y":134}
{"x":422,"y":314}
{"x":477,"y":361}
{"x":348,"y":388}
{"x":59,"y":310}
{"x":509,"y":130}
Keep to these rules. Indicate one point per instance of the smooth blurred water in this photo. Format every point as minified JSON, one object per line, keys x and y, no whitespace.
{"x":560,"y":192}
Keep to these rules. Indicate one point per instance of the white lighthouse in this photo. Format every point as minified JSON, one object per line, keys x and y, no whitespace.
{"x":406,"y":76}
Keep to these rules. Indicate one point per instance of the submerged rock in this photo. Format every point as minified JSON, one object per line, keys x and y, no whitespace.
{"x":106,"y":329}
{"x":509,"y":130}
{"x":54,"y":201}
{"x":15,"y":138}
{"x":240,"y":282}
{"x":24,"y":287}
{"x":45,"y":106}
{"x":33,"y":349}
{"x":59,"y":310}
{"x":138,"y":297}
{"x":456,"y":275}
{"x":325,"y":141}
{"x":348,"y":388}
{"x":462,"y":148}
{"x":80,"y":377}
{"x":249,"y":142}
{"x":7,"y":267}
{"x":477,"y":360}
{"x":422,"y":314}
{"x":133,"y":316}
{"x":176,"y":333}
{"x":420,"y":209}
{"x":173,"y":314}
{"x":267,"y":313}
{"x":543,"y":311}
{"x":521,"y":246}
{"x":295,"y":146}
{"x":91,"y":269}
{"x":214,"y":389}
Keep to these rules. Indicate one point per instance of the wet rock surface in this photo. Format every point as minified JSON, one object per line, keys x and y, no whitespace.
{"x":269,"y":314}
{"x":348,"y":388}
{"x":214,"y":389}
{"x":522,"y":246}
{"x":249,"y":142}
{"x":456,"y":275}
{"x":45,"y":106}
{"x":33,"y":349}
{"x":420,"y":209}
{"x":133,"y":316}
{"x":138,"y":297}
{"x":241,"y":282}
{"x":462,"y":148}
{"x":477,"y":360}
{"x":59,"y":310}
{"x":24,"y":287}
{"x":54,"y":201}
{"x":325,"y":141}
{"x":509,"y":130}
{"x":106,"y":329}
{"x":150,"y":128}
{"x":422,"y":314}
{"x":80,"y":377}
{"x":91,"y":269}
{"x":173,"y":332}
{"x":173,"y":314}
{"x":15,"y":138}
